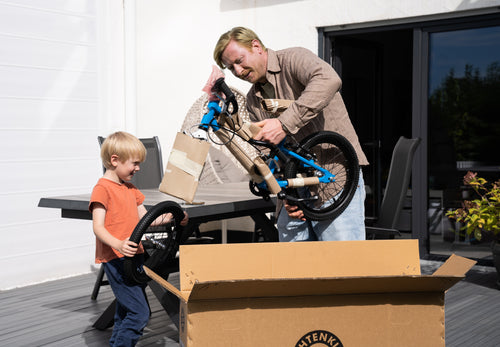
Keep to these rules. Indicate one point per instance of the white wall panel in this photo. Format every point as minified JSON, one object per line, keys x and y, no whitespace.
{"x":53,"y":75}
{"x":54,"y":145}
{"x":15,"y":211}
{"x":27,"y":51}
{"x":43,"y":23}
{"x":43,"y":113}
{"x":59,"y":84}
{"x":64,"y":248}
{"x":39,"y":175}
{"x":49,"y":240}
{"x":81,"y":7}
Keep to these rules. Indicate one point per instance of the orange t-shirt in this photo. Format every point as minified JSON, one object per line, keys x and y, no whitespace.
{"x":121,"y":202}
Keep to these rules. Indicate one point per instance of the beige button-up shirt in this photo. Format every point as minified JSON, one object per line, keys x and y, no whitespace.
{"x":300,"y":75}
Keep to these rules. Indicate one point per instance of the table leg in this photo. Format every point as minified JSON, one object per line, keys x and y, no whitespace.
{"x":224,"y":231}
{"x":269,"y":231}
{"x":107,"y":318}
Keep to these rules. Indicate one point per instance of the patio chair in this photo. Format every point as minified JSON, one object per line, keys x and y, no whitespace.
{"x":148,"y":177}
{"x":396,"y":189}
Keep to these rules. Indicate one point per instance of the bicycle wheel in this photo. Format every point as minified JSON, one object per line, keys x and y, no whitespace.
{"x":160,"y":242}
{"x":333,"y":152}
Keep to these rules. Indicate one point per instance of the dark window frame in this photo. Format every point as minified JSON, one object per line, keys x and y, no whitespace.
{"x":422,"y":28}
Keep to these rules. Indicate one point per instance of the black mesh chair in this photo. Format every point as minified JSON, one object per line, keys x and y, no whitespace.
{"x":148,"y":177}
{"x":397,"y":186}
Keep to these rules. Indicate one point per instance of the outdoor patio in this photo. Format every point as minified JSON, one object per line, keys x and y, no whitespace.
{"x":61,"y":313}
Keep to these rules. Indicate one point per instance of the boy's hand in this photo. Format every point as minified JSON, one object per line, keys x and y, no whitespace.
{"x":184,"y":222}
{"x":128,"y":248}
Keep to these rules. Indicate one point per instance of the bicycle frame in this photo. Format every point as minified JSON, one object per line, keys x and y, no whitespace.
{"x":265,"y":177}
{"x":209,"y":118}
{"x":325,"y":177}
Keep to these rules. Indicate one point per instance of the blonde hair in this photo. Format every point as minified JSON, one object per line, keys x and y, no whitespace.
{"x":124,"y":145}
{"x":241,"y":35}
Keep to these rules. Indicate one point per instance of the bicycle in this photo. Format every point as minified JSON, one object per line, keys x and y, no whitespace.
{"x":319,"y":174}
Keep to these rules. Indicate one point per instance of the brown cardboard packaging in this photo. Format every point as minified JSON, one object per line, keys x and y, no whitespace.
{"x":343,"y":293}
{"x":184,"y":167}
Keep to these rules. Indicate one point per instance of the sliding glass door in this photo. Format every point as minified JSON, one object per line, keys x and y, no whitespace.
{"x":437,"y":80}
{"x":464,"y":127}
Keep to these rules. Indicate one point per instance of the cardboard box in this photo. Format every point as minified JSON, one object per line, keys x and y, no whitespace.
{"x":184,"y":167}
{"x":343,"y":293}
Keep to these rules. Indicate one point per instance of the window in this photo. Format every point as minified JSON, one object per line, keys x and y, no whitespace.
{"x":437,"y":80}
{"x":464,"y":125}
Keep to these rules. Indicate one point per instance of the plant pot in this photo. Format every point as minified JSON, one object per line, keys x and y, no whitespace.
{"x":495,"y":248}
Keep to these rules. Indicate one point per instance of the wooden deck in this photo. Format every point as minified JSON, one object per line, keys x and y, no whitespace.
{"x":61,"y":313}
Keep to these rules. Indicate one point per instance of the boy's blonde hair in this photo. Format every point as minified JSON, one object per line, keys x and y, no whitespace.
{"x":124,"y":145}
{"x":241,"y":35}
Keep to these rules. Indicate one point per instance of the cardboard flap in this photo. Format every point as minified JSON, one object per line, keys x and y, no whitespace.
{"x":321,"y":286}
{"x":455,"y":265}
{"x":165,"y":284}
{"x":297,"y":260}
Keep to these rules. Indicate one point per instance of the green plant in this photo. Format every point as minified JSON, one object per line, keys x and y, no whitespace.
{"x":480,"y":216}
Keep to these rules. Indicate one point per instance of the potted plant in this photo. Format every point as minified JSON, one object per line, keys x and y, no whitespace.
{"x":481,"y":216}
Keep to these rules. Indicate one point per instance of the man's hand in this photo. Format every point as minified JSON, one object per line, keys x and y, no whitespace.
{"x":294,"y":212}
{"x":272,"y":131}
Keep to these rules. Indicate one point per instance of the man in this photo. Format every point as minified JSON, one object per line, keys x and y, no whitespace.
{"x":298,"y":75}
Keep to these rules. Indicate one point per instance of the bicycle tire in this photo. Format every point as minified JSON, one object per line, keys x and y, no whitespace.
{"x":335,"y":153}
{"x":160,"y":242}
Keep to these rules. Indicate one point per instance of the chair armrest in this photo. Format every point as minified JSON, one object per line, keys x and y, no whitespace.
{"x":381,"y":233}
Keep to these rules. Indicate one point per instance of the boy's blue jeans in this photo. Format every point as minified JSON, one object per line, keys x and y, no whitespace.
{"x":350,"y":225}
{"x":132,"y":309}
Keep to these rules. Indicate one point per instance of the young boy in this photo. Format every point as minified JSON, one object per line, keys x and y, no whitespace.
{"x":117,"y":206}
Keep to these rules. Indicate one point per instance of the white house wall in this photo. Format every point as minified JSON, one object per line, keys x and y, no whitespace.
{"x":53,"y":105}
{"x":66,"y":76}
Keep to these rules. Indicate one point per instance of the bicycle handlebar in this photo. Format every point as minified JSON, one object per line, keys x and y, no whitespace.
{"x":221,"y":86}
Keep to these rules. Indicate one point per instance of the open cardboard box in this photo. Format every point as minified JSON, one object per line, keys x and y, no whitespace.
{"x":342,"y":293}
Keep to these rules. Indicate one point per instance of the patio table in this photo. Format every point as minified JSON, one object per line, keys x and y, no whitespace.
{"x":212,"y":202}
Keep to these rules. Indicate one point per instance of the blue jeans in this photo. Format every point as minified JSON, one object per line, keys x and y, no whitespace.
{"x":350,"y":225}
{"x":132,"y":308}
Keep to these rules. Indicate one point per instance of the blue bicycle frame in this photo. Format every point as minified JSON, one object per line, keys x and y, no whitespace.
{"x":209,"y":121}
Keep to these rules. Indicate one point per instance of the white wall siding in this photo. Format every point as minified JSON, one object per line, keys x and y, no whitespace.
{"x":49,"y":102}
